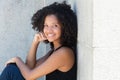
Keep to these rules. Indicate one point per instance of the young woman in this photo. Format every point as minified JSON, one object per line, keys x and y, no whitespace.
{"x":57,"y":25}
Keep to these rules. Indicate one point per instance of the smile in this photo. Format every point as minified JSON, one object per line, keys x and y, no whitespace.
{"x":50,"y":35}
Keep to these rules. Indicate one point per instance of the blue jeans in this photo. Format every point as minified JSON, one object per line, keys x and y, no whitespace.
{"x":11,"y":72}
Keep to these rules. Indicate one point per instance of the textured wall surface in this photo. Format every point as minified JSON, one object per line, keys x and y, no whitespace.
{"x":16,"y":32}
{"x":106,"y":40}
{"x":98,"y":39}
{"x":85,"y":38}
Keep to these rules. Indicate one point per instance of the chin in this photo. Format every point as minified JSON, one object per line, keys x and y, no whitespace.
{"x":50,"y":40}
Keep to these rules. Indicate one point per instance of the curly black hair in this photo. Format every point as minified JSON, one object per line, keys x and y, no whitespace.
{"x":65,"y":16}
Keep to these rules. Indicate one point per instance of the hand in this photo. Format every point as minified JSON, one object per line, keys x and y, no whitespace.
{"x":39,"y":37}
{"x":12,"y":60}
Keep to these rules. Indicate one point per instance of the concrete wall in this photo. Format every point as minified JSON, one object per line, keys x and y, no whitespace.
{"x":106,"y":40}
{"x":16,"y":32}
{"x":98,"y":39}
{"x":84,"y":10}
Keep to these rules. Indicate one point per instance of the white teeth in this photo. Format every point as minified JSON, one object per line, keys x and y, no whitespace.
{"x":50,"y":35}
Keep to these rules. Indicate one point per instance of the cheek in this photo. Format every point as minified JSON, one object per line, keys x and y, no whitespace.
{"x":59,"y":33}
{"x":44,"y":31}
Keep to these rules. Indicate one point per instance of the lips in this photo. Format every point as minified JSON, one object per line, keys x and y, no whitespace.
{"x":50,"y":35}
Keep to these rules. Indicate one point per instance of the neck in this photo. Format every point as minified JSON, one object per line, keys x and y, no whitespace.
{"x":56,"y":45}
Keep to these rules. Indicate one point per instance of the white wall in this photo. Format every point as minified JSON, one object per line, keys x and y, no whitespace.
{"x":84,"y":9}
{"x":106,"y":40}
{"x":98,"y":39}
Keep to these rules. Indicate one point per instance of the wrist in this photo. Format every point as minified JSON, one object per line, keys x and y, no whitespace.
{"x":35,"y":42}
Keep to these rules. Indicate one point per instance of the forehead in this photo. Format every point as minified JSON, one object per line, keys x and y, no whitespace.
{"x":51,"y":19}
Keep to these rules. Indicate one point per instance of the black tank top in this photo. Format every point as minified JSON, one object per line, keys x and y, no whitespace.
{"x":59,"y":75}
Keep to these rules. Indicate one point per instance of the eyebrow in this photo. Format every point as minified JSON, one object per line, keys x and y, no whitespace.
{"x":52,"y":23}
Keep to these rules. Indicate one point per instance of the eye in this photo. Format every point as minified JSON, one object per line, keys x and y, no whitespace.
{"x":55,"y":25}
{"x":45,"y":25}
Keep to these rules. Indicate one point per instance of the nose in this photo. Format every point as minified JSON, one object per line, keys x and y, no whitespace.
{"x":49,"y":29}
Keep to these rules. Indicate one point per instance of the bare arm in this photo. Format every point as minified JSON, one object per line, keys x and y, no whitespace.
{"x":56,"y":61}
{"x":31,"y":57}
{"x":42,"y":59}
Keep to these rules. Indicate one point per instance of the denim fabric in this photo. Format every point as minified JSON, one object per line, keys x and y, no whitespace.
{"x":11,"y":72}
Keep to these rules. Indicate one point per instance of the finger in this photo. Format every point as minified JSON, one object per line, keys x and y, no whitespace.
{"x":12,"y":60}
{"x":9,"y":61}
{"x":36,"y":37}
{"x":42,"y":36}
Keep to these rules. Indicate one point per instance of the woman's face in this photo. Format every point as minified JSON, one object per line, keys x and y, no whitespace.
{"x":52,"y":28}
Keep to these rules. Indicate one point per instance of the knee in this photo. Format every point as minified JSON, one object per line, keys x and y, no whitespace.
{"x":8,"y":71}
{"x":10,"y":68}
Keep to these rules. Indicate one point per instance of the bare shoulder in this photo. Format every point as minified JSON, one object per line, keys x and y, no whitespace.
{"x":67,"y":58}
{"x":64,"y":51}
{"x":61,"y":59}
{"x":66,"y":54}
